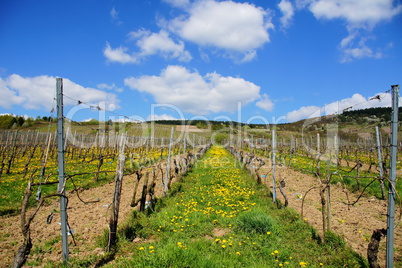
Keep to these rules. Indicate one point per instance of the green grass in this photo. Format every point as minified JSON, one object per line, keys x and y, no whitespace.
{"x":219,"y":217}
{"x":85,"y":162}
{"x":13,"y":185}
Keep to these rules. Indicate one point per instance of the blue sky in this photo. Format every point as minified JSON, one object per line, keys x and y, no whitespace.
{"x":250,"y":61}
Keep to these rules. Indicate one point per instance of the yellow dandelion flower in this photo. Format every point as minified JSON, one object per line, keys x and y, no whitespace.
{"x":303,"y":264}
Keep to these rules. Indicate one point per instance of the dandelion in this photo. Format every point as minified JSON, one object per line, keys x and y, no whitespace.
{"x":151,"y":247}
{"x":303,"y":264}
{"x":223,"y":246}
{"x":268,"y":233}
{"x":141,"y":248}
{"x":237,"y":253}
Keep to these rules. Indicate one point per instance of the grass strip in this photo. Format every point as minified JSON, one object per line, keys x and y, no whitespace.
{"x":217,"y":216}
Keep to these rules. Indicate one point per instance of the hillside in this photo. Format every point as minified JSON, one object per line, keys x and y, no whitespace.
{"x":351,"y":125}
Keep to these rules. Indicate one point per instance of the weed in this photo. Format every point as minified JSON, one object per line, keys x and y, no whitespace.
{"x":255,"y":221}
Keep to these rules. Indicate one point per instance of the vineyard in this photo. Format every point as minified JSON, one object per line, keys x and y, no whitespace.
{"x":240,"y":203}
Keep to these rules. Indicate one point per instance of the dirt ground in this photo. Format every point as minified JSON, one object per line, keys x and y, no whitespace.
{"x":88,"y":221}
{"x":354,"y":223}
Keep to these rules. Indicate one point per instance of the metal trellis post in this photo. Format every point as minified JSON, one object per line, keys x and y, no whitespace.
{"x":380,"y":164}
{"x":392,"y":177}
{"x":60,"y":155}
{"x":273,"y":165}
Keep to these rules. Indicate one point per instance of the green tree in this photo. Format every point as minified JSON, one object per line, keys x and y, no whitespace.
{"x":7,"y":121}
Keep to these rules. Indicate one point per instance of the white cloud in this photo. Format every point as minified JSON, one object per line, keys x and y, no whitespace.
{"x":111,"y":87}
{"x":356,"y":102}
{"x":9,"y":96}
{"x":178,"y":3}
{"x":159,"y":43}
{"x":38,"y":93}
{"x":354,"y":46}
{"x":237,"y":28}
{"x":196,"y":94}
{"x":156,"y":117}
{"x":115,"y":16}
{"x":265,"y":103}
{"x":119,"y":55}
{"x":358,"y":15}
{"x":303,"y":112}
{"x":358,"y":53}
{"x":287,"y":10}
{"x":149,"y":44}
{"x":248,"y":56}
{"x":300,"y":4}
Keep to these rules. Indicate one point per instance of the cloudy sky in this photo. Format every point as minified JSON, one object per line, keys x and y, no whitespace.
{"x":249,"y":61}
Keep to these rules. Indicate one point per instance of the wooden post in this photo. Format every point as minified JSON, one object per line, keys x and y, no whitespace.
{"x":166,"y":182}
{"x":144,"y":192}
{"x":116,"y":198}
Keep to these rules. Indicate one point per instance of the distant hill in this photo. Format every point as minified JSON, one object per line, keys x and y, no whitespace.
{"x":371,"y":114}
{"x":350,"y":124}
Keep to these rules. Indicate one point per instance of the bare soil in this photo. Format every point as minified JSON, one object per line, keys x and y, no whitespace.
{"x":88,"y":222}
{"x":354,"y":223}
{"x":189,"y":128}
